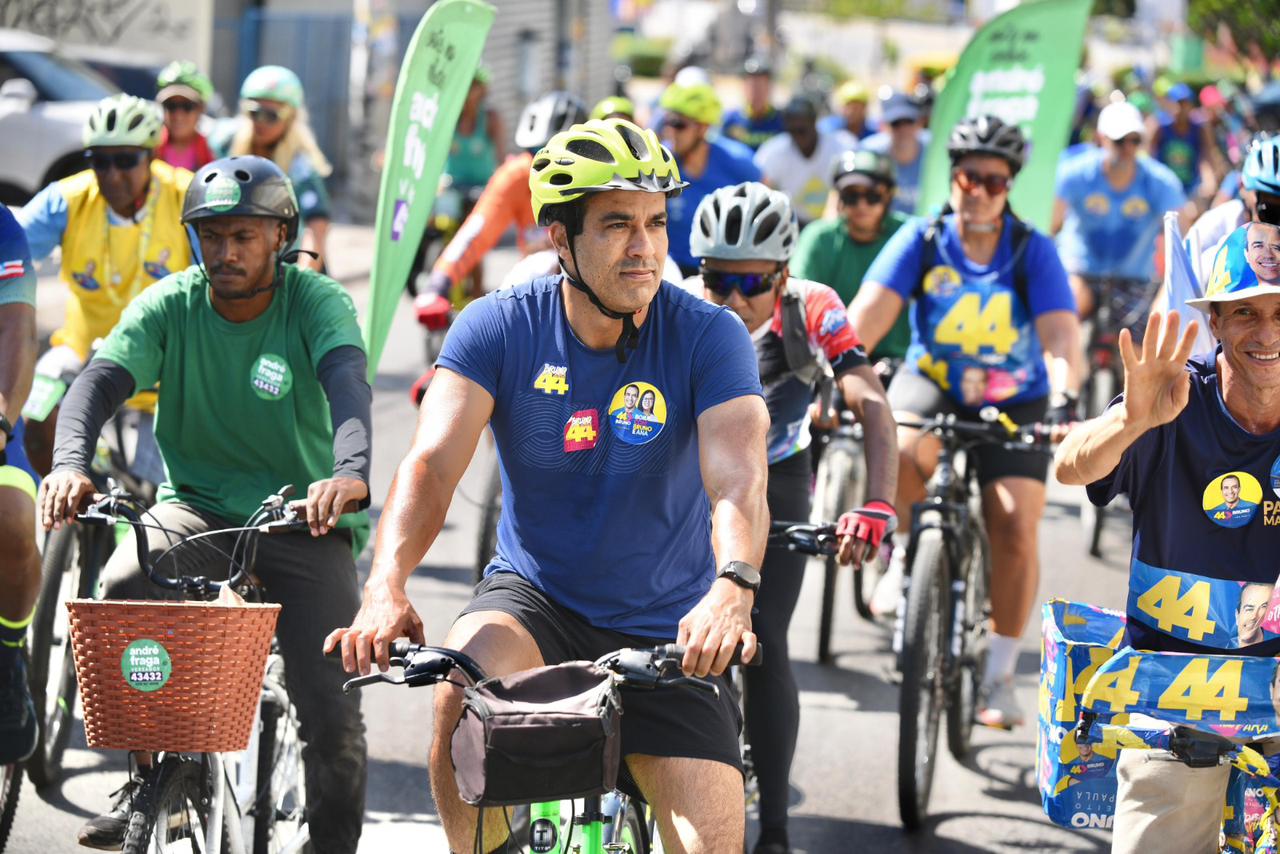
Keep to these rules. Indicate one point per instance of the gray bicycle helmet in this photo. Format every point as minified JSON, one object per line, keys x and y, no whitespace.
{"x":548,"y":116}
{"x":1261,"y":168}
{"x":745,"y":222}
{"x":860,"y":161}
{"x":988,"y":135}
{"x":124,"y":120}
{"x":241,"y":186}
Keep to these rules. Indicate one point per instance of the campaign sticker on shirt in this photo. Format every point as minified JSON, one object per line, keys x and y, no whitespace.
{"x":86,"y":279}
{"x":1231,"y":500}
{"x":552,"y":379}
{"x":638,"y":413}
{"x":942,"y":281}
{"x":270,"y":377}
{"x":1135,"y":207}
{"x":158,"y":268}
{"x":581,"y":431}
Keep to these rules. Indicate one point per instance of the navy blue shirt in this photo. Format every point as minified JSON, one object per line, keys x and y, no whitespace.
{"x":728,"y":162}
{"x":603,"y":503}
{"x":1205,"y":495}
{"x":750,"y":130}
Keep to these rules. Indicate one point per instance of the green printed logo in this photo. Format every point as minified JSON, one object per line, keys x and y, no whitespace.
{"x":223,"y":193}
{"x":145,"y":665}
{"x":271,"y":377}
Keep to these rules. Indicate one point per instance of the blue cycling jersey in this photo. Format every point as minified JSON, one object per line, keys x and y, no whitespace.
{"x":728,"y":162}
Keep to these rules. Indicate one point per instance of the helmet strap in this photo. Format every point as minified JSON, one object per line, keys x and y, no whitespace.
{"x":630,"y":335}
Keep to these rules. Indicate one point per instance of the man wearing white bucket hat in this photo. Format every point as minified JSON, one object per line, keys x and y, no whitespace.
{"x":1185,"y":436}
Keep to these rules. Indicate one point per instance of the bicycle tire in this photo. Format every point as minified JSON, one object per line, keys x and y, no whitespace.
{"x":174,"y":801}
{"x":631,"y":831}
{"x":923,"y":664}
{"x":490,"y":513}
{"x":68,"y":570}
{"x":10,"y":789}
{"x":968,"y":668}
{"x":1100,"y":388}
{"x":834,"y":472}
{"x":279,"y":808}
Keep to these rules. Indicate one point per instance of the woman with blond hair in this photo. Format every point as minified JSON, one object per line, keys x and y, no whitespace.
{"x":273,"y":124}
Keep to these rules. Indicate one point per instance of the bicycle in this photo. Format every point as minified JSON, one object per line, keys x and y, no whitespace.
{"x":945,"y":624}
{"x":613,"y":823}
{"x":203,"y":801}
{"x":10,"y":790}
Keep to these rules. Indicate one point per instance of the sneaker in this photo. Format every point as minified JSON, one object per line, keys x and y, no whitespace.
{"x":106,"y":832}
{"x":998,"y":705}
{"x":19,"y":726}
{"x":888,"y":590}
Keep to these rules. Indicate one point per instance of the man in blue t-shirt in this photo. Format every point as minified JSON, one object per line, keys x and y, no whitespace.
{"x":904,"y":139}
{"x":990,"y":301}
{"x":618,"y":404}
{"x":19,"y":557}
{"x":758,"y":119}
{"x":1110,"y":209}
{"x":1187,"y":441}
{"x":706,"y":163}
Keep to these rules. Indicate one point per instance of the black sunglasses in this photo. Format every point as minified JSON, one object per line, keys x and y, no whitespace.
{"x":850,"y":198}
{"x":122,"y":160}
{"x":175,"y":105}
{"x":676,"y":124}
{"x":970,"y":179}
{"x":264,"y":115}
{"x":750,"y":284}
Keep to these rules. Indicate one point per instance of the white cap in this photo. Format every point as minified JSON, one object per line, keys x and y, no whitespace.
{"x":692,"y":75}
{"x":1118,"y":120}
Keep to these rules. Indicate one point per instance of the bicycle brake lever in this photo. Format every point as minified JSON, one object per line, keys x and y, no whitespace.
{"x":361,"y":681}
{"x":694,"y":682}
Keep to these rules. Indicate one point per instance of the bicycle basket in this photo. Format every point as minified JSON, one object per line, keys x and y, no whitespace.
{"x":173,"y":676}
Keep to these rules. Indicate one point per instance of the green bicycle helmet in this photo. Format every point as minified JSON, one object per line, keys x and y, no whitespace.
{"x":598,"y":156}
{"x":184,"y":79}
{"x":272,"y":83}
{"x":698,"y":102}
{"x":613,"y":104}
{"x":124,"y":120}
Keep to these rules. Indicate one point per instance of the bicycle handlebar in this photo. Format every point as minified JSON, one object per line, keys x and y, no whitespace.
{"x":804,"y":537}
{"x":1000,"y":430}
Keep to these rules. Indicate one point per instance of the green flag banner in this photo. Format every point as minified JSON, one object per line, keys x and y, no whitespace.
{"x":433,"y":84}
{"x":1021,"y":67}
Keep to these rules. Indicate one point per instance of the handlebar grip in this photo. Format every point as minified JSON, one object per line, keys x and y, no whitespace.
{"x":676,"y":651}
{"x":400,"y":648}
{"x":300,"y":507}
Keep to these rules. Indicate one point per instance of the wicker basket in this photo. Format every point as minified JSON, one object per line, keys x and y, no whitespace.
{"x":206,"y":702}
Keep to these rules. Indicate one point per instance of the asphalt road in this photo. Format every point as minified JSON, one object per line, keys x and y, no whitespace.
{"x":844,"y":777}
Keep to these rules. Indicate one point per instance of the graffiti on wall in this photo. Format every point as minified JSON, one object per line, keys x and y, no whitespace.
{"x":101,"y":22}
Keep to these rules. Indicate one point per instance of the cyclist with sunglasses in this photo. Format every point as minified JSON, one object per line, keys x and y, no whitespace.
{"x":744,"y":236}
{"x":119,"y":226}
{"x":838,"y":251}
{"x":990,"y":301}
{"x":273,"y":123}
{"x":183,"y":93}
{"x":904,"y":138}
{"x":1109,"y":211}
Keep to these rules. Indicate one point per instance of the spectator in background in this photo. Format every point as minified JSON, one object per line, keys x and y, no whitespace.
{"x":838,"y":251}
{"x":183,"y":92}
{"x":689,"y":112}
{"x":798,"y":162}
{"x":273,"y":124}
{"x":905,"y":142}
{"x":850,"y":99}
{"x":1183,"y":143}
{"x":614,"y":107}
{"x":758,"y":120}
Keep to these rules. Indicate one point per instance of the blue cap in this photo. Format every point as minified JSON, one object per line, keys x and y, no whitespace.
{"x":1181,"y":92}
{"x":897,"y":107}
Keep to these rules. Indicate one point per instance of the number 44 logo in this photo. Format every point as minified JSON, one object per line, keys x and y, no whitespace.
{"x":552,"y":379}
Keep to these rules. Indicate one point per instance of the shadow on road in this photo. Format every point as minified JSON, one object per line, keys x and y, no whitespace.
{"x":871,"y":692}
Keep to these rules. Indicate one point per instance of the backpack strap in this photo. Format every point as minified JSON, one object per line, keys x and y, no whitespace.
{"x":801,"y":360}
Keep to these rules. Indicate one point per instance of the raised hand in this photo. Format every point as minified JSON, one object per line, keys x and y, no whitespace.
{"x":1156,"y":382}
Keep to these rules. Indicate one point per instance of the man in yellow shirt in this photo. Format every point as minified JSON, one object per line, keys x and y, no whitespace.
{"x":119,"y":226}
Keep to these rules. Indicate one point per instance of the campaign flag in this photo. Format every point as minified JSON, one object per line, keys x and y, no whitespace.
{"x":434,"y":80}
{"x":1182,"y":284}
{"x":1021,"y":67}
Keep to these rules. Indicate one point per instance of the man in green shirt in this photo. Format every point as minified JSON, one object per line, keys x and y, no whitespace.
{"x":263,"y":383}
{"x":838,"y":251}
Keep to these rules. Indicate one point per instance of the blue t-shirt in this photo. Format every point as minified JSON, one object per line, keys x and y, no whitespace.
{"x":750,"y":130}
{"x":1110,"y":233}
{"x":835,"y":122}
{"x":17,"y":275}
{"x":728,"y":162}
{"x":603,"y":507}
{"x":908,"y":193}
{"x":1181,"y":152}
{"x":1205,"y":495}
{"x":971,"y":332}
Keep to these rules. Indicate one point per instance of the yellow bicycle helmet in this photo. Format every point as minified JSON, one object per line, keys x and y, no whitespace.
{"x":698,"y":102}
{"x":597,"y":156}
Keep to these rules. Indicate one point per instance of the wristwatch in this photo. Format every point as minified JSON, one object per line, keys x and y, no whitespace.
{"x":741,"y":574}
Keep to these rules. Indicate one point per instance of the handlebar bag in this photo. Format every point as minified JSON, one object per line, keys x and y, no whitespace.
{"x":545,"y":734}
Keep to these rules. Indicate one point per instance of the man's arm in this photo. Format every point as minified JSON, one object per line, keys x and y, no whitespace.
{"x":342,"y":376}
{"x":451,"y":419}
{"x":865,"y":397}
{"x":17,"y":358}
{"x":1059,"y":333}
{"x":873,"y":312}
{"x":1059,"y":215}
{"x":735,"y":472}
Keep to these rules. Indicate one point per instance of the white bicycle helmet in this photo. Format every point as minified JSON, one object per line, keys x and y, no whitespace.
{"x":745,"y":222}
{"x":548,"y":116}
{"x":124,"y":120}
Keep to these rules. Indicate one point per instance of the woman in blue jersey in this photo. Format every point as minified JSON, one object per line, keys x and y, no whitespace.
{"x":990,"y":296}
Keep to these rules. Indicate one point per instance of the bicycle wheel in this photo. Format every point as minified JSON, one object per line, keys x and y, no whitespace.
{"x":838,"y":478}
{"x":171,"y":812}
{"x":1100,"y":388}
{"x":923,"y":669}
{"x":69,"y":570}
{"x":630,"y":830}
{"x":279,"y":810}
{"x":490,"y":512}
{"x":972,"y":617}
{"x":10,"y":788}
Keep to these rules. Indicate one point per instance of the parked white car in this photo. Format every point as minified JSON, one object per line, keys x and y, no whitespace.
{"x":45,"y":99}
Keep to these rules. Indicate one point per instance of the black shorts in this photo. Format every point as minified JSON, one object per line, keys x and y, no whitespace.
{"x":680,"y":722}
{"x":913,"y":393}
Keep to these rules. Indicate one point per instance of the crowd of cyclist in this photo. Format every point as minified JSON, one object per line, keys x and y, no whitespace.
{"x":799,"y":224}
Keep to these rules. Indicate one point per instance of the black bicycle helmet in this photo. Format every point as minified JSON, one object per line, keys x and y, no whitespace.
{"x":241,"y":186}
{"x":987,"y":135}
{"x":860,"y":161}
{"x":548,"y":116}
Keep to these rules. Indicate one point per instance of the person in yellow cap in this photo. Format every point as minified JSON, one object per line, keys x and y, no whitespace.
{"x":850,"y":102}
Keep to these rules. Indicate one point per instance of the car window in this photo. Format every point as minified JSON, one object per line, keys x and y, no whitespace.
{"x":136,"y":80}
{"x":55,"y":77}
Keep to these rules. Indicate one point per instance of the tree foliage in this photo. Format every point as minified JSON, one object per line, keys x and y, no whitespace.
{"x":1254,"y":25}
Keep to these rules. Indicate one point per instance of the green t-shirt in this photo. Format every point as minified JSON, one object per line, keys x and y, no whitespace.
{"x":826,"y":253}
{"x":241,"y":411}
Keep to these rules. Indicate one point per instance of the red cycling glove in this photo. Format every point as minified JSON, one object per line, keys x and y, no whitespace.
{"x":868,"y":523}
{"x":433,"y":310}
